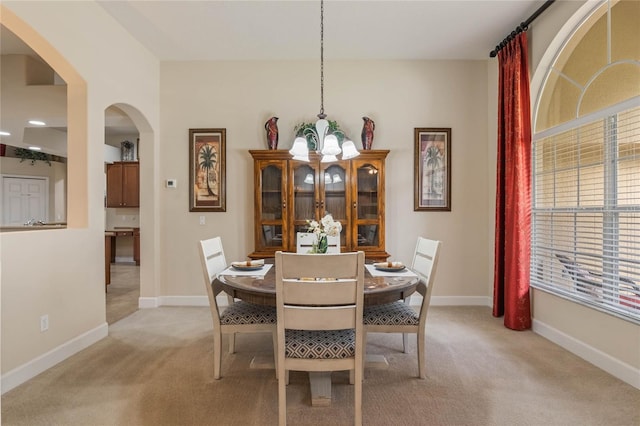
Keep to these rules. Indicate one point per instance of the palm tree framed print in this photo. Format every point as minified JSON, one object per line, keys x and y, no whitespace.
{"x":207,"y":170}
{"x":432,"y":169}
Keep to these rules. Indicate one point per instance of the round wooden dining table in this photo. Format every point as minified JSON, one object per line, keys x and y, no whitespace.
{"x":261,"y":290}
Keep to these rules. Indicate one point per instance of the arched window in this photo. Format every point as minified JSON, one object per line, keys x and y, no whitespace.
{"x":586,"y":166}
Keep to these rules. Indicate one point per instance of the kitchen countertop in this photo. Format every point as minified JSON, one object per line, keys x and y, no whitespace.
{"x":60,"y":225}
{"x":121,"y":230}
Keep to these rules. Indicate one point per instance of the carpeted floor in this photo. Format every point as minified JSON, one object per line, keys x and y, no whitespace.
{"x":123,"y":292}
{"x":155,"y":368}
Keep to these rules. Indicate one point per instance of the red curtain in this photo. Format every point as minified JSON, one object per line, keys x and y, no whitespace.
{"x":513,"y":192}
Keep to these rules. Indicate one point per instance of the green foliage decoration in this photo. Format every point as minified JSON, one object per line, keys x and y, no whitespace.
{"x":308,"y":131}
{"x":33,"y":156}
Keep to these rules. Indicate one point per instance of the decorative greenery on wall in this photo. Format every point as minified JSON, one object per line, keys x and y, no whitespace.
{"x":33,"y":156}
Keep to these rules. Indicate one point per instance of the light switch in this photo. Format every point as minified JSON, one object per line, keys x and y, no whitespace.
{"x":201,"y":220}
{"x":172,"y":183}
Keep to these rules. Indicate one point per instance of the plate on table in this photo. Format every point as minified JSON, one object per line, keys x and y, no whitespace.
{"x":248,"y":266}
{"x":389,"y":266}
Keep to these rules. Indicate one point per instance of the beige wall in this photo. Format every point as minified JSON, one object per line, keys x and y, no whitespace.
{"x":60,"y":273}
{"x":397,"y":95}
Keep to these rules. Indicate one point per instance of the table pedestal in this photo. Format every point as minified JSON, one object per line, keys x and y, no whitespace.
{"x":319,"y":381}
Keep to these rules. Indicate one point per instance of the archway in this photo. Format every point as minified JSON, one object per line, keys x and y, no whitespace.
{"x":122,"y":220}
{"x":136,"y":128}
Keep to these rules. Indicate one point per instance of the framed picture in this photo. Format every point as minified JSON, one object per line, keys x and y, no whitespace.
{"x":207,"y":170}
{"x":432,"y":169}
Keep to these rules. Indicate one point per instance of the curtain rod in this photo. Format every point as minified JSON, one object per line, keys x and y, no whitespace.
{"x":524,"y":26}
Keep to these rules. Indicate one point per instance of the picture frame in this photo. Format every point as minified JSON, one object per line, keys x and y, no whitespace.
{"x":207,"y":170}
{"x":432,"y":169}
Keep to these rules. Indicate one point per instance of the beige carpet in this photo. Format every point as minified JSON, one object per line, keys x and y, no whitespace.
{"x":123,"y":292}
{"x":155,"y":368}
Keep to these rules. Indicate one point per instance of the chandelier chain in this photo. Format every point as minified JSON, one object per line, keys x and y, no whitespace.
{"x":322,"y":115}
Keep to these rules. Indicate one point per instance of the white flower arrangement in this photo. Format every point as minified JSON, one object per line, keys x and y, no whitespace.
{"x":326,"y":226}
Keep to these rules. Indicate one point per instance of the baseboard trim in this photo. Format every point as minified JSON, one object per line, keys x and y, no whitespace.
{"x":31,"y":369}
{"x":147,"y":302}
{"x":606,"y":362}
{"x":187,"y":300}
{"x":155,"y":302}
{"x":459,"y":300}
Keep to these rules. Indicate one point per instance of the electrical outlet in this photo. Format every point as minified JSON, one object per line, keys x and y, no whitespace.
{"x":201,"y":220}
{"x":44,"y":323}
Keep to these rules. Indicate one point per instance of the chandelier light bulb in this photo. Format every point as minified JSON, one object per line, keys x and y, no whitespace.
{"x":349,"y":150}
{"x":331,"y":146}
{"x":299,"y":150}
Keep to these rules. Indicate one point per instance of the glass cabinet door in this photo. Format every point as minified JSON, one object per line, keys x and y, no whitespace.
{"x":272,"y":205}
{"x":367,"y":205}
{"x":334,"y":200}
{"x":305,"y":194}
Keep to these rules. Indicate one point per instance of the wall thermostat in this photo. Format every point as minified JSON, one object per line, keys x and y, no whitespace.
{"x":172,"y":183}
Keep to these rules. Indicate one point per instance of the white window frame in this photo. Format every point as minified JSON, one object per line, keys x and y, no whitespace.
{"x":612,"y":270}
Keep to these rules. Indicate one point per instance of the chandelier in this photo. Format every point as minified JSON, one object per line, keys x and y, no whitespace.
{"x":326,"y":144}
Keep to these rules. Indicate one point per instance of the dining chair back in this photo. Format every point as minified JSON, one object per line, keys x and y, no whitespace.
{"x":400,"y":317}
{"x":238,"y":316}
{"x":306,"y":240}
{"x":319,"y":299}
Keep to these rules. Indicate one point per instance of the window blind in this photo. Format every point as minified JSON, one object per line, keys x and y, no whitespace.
{"x":586,"y":212}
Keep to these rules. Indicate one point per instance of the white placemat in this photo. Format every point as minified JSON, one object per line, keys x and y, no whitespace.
{"x":377,"y":273}
{"x":257,"y":273}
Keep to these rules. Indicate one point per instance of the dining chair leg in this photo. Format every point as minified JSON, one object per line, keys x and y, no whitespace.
{"x":282,"y":397}
{"x":421,"y":355}
{"x":358,"y":378}
{"x":232,"y":336}
{"x":274,"y":336}
{"x":232,"y":343}
{"x":405,"y":342}
{"x":217,"y":355}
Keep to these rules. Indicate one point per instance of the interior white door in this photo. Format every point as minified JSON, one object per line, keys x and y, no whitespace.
{"x":23,"y":199}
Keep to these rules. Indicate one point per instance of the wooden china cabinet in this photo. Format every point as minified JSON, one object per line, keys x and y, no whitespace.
{"x":289,"y":192}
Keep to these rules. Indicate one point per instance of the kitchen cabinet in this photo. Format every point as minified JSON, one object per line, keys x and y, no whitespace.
{"x":289,"y":192}
{"x":123,"y":184}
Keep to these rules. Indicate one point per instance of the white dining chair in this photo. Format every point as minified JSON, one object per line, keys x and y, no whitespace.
{"x":320,"y":301}
{"x":400,"y":317}
{"x":239,"y":316}
{"x":305,"y":241}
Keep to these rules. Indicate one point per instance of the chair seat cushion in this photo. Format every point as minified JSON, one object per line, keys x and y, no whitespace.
{"x":331,"y":344}
{"x":396,"y":313}
{"x":248,"y":313}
